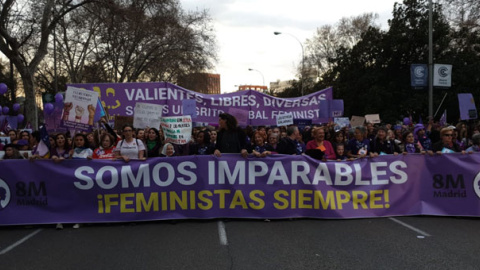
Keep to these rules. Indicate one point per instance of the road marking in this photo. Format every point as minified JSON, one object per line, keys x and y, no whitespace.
{"x":14,"y":245}
{"x":222,"y":233}
{"x":409,"y":226}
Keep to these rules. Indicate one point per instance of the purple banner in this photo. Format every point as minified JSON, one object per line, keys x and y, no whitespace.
{"x":278,"y":186}
{"x":120,"y":99}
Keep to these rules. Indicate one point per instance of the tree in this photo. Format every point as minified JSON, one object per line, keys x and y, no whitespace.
{"x":25,"y":28}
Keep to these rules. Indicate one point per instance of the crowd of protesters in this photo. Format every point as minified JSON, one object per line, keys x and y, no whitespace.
{"x":322,"y":142}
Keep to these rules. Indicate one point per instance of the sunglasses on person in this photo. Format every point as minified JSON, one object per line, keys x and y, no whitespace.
{"x":448,"y":135}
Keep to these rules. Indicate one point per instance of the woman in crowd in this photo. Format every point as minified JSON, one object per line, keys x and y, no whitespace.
{"x":340,"y":154}
{"x":61,"y":149}
{"x":383,"y":146}
{"x":213,"y":136}
{"x":80,"y":147}
{"x":11,"y":152}
{"x":51,"y":138}
{"x":409,"y":145}
{"x":129,"y":148}
{"x":13,"y":136}
{"x":106,"y":149}
{"x":153,"y":143}
{"x":272,"y":143}
{"x":92,"y":139}
{"x":359,"y":146}
{"x":338,"y":138}
{"x":140,"y":135}
{"x":25,"y":135}
{"x":202,"y":144}
{"x":422,"y":136}
{"x":230,"y":138}
{"x":319,"y":142}
{"x":259,"y":148}
{"x":475,"y":144}
{"x":168,"y":150}
{"x":446,"y":143}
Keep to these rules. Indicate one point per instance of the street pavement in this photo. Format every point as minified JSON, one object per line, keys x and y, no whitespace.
{"x":381,"y":243}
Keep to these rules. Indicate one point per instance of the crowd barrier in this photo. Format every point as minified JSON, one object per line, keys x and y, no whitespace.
{"x":278,"y":186}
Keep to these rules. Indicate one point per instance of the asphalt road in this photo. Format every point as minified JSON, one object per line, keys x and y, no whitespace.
{"x":381,"y":243}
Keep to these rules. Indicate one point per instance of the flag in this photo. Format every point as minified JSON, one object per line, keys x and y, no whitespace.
{"x":99,"y":111}
{"x":467,"y":107}
{"x":43,"y":147}
{"x":443,"y":119}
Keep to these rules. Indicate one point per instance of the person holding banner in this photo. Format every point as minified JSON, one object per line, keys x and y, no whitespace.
{"x":289,"y":144}
{"x":11,"y":152}
{"x":81,"y":149}
{"x":106,"y":149}
{"x":409,"y":145}
{"x":129,"y":148}
{"x":383,"y":146}
{"x":475,"y":144}
{"x":230,"y":138}
{"x":359,"y":146}
{"x":446,"y":144}
{"x":321,"y":144}
{"x":259,"y":148}
{"x":202,"y":145}
{"x":61,"y":149}
{"x":168,"y":150}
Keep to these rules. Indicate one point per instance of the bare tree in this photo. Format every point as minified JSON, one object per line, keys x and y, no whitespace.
{"x":328,"y":39}
{"x":25,"y":28}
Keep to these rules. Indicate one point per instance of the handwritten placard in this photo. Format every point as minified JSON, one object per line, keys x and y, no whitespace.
{"x":285,"y":119}
{"x":177,"y":129}
{"x":147,"y":115}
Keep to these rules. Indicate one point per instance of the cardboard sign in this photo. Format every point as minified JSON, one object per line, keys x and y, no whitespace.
{"x":284,"y":119}
{"x":357,"y":121}
{"x":79,"y":109}
{"x":373,"y":118}
{"x":147,"y":115}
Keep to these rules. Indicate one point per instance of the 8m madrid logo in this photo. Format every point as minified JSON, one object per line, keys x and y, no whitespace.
{"x":4,"y":194}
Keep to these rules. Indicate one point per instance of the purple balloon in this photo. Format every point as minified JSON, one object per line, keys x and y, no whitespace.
{"x":5,"y":110}
{"x":3,"y":88}
{"x":406,"y":121}
{"x":20,"y":118}
{"x":58,"y":98}
{"x":16,"y":107}
{"x":48,"y":108}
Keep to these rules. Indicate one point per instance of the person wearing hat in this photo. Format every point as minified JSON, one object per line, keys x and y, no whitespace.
{"x":475,"y":144}
{"x":422,"y":136}
{"x":11,"y":152}
{"x":383,"y":146}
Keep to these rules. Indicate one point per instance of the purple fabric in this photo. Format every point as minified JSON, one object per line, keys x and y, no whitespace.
{"x":120,"y":99}
{"x":279,"y":186}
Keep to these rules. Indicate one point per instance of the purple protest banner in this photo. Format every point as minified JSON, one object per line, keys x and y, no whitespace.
{"x":120,"y":99}
{"x":278,"y":186}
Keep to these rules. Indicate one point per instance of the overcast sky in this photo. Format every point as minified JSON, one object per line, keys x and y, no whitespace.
{"x":245,"y":39}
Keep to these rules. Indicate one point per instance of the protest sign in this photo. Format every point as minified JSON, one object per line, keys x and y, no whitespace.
{"x":190,"y":107}
{"x":341,"y":122}
{"x":373,"y":118}
{"x":177,"y":129}
{"x":79,"y":109}
{"x":356,"y":121}
{"x":147,"y":115}
{"x":284,"y":119}
{"x":467,"y":107}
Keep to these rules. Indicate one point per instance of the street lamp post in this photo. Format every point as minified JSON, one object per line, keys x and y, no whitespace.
{"x":303,"y":58}
{"x":263,"y":77}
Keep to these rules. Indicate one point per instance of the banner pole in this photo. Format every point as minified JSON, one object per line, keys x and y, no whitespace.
{"x":440,"y":104}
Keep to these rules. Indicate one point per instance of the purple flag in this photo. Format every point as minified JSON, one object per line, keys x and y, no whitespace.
{"x":331,"y":108}
{"x":443,"y":119}
{"x":467,"y":106}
